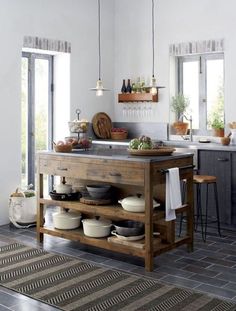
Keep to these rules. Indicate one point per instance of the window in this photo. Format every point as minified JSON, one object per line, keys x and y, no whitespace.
{"x":201,"y":78}
{"x":37,"y":108}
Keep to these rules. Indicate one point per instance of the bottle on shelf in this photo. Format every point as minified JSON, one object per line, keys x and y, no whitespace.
{"x":129,"y":87}
{"x":133,"y":87}
{"x":138,"y":86}
{"x":142,"y":85}
{"x":123,"y":88}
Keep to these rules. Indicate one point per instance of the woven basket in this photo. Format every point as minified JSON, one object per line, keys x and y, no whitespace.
{"x":63,"y":148}
{"x":119,"y":135}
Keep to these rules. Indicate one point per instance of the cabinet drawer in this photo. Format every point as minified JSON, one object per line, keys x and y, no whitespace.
{"x":48,"y":166}
{"x":113,"y":174}
{"x":97,"y":172}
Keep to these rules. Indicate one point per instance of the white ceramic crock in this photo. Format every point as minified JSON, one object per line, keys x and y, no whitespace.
{"x":135,"y":204}
{"x":63,"y":188}
{"x":97,"y":228}
{"x":66,"y":220}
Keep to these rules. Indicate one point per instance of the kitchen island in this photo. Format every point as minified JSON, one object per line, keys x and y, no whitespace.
{"x":128,"y":175}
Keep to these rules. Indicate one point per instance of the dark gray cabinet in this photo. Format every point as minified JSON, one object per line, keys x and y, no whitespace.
{"x":233,"y":207}
{"x":220,"y":164}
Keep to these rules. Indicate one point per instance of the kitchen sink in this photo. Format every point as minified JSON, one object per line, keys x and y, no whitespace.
{"x":185,"y":147}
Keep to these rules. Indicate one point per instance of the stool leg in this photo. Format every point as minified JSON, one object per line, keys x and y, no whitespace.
{"x":217,"y":208}
{"x":183,"y":201}
{"x":206,"y":215}
{"x":199,"y":209}
{"x":197,"y":215}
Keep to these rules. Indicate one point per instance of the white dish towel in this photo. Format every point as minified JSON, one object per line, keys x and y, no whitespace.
{"x":173,"y":193}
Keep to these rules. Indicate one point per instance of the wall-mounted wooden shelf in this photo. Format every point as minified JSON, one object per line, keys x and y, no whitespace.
{"x":137,"y":97}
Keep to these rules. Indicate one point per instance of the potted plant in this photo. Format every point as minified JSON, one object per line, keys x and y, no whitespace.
{"x":217,"y":124}
{"x":179,"y":105}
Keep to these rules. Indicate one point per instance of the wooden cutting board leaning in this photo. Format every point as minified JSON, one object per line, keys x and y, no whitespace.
{"x":102,"y":125}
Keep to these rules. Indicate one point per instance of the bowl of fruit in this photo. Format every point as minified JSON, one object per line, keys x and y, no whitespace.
{"x":62,"y":146}
{"x":119,"y":133}
{"x":84,"y":143}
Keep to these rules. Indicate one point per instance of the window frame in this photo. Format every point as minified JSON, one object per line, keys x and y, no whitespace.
{"x":202,"y":63}
{"x":31,"y":56}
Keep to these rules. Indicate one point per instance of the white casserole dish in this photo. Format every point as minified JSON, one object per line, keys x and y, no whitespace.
{"x":97,"y":228}
{"x":135,"y":204}
{"x":66,"y":220}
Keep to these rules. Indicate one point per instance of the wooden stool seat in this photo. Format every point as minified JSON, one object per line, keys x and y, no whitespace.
{"x":201,"y":179}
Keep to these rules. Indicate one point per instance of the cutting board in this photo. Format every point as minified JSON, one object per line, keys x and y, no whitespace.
{"x":138,"y":244}
{"x":102,"y":125}
{"x":91,"y":201}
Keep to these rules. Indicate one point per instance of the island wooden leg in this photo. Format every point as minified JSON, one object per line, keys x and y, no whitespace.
{"x":148,"y":194}
{"x":40,"y":208}
{"x":40,"y":222}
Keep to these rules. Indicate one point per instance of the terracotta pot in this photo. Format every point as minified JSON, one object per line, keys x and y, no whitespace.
{"x":218,"y":132}
{"x":181,"y":128}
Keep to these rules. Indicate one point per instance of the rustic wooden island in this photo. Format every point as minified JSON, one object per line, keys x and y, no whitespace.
{"x":128,"y":175}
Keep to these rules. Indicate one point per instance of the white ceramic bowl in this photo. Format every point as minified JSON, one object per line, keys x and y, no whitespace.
{"x":97,"y":191}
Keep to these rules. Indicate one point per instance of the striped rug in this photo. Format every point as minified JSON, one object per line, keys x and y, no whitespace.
{"x":72,"y":284}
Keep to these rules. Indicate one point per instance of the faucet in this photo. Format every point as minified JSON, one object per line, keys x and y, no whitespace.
{"x":190,"y":119}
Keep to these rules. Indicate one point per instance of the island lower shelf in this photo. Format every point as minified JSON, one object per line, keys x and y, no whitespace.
{"x":78,"y":235}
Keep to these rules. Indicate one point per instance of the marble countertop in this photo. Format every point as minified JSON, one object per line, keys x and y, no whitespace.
{"x":172,"y":143}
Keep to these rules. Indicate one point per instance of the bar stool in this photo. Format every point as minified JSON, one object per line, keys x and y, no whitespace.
{"x":199,"y":181}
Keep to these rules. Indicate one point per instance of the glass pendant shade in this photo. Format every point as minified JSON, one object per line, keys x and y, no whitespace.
{"x":99,"y":88}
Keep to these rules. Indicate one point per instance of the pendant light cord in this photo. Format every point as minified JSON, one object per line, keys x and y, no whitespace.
{"x":153,"y":59}
{"x":99,"y":40}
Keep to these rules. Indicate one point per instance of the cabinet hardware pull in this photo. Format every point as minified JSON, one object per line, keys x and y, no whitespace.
{"x":223,"y":159}
{"x":114,"y":174}
{"x":62,"y":169}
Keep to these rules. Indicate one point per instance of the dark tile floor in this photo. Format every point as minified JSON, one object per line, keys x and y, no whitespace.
{"x":211,"y":268}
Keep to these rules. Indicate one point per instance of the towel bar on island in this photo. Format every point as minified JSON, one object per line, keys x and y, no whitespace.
{"x":164,"y":171}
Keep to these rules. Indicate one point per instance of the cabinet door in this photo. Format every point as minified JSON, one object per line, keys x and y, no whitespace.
{"x":218,"y":163}
{"x":233,"y":188}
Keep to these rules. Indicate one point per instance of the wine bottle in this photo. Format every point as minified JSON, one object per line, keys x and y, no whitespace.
{"x":129,"y":87}
{"x":123,"y":88}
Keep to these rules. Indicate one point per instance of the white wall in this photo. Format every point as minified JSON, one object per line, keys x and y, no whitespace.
{"x":71,"y":20}
{"x":175,"y":21}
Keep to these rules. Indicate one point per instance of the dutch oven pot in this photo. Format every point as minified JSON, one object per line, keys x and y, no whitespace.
{"x":129,"y":227}
{"x":66,"y":220}
{"x":135,"y":204}
{"x":97,"y":228}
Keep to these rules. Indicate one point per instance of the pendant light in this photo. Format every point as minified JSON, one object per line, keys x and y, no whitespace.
{"x":99,"y":87}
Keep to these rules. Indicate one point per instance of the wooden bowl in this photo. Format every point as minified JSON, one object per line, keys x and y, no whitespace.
{"x":63,"y":148}
{"x":225,"y":141}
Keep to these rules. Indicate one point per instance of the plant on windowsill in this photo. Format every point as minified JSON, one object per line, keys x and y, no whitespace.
{"x":216,"y":116}
{"x":217,"y":124}
{"x":179,"y":105}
